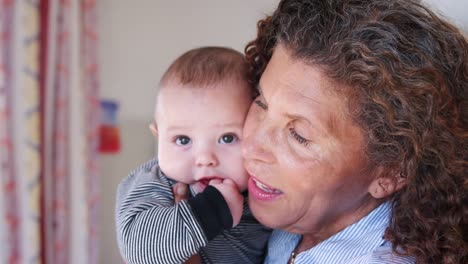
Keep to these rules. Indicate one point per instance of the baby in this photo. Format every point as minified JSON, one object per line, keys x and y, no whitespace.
{"x":203,"y":99}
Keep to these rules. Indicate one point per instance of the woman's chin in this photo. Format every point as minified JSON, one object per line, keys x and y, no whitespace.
{"x":266,"y":207}
{"x":267,"y":213}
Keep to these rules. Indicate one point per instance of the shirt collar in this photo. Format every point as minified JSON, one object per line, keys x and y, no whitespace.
{"x":356,"y":240}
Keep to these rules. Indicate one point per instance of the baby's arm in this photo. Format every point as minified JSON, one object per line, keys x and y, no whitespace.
{"x":245,"y":243}
{"x":152,"y":229}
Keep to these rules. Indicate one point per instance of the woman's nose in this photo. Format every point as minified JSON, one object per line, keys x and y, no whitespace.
{"x":258,"y":143}
{"x":206,"y":158}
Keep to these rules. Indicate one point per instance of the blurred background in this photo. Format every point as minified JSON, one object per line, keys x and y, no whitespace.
{"x":77,"y":89}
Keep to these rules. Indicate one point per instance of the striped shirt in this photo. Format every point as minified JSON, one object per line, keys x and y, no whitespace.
{"x":151,"y":228}
{"x":359,"y":243}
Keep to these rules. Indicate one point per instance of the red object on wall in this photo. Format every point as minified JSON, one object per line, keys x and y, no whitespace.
{"x":109,"y":133}
{"x":109,"y":139}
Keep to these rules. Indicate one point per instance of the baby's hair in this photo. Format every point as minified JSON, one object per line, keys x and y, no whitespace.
{"x":206,"y":66}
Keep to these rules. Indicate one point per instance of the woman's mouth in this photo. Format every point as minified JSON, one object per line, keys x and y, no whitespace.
{"x":261,"y":191}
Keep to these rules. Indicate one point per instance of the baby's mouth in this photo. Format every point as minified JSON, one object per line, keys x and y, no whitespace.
{"x":206,"y":180}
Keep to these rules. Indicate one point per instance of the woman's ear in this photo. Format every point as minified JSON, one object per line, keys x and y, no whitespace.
{"x":154,"y":129}
{"x":385,"y":185}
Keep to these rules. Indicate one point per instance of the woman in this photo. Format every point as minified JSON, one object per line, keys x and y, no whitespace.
{"x":356,"y":145}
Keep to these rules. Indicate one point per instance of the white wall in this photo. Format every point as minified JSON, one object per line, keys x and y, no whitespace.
{"x":138,"y":39}
{"x":454,"y":10}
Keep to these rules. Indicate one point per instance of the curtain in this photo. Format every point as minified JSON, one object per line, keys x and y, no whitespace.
{"x":48,"y":131}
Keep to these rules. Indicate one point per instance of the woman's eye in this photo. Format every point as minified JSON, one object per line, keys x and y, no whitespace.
{"x":227,"y":139}
{"x":182,"y":140}
{"x":298,"y":137}
{"x":260,"y":104}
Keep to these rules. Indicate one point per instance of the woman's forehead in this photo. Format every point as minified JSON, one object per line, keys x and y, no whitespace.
{"x":298,"y":81}
{"x":301,"y":89}
{"x":303,"y":76}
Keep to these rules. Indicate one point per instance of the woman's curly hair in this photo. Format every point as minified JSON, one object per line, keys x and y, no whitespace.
{"x":406,"y":71}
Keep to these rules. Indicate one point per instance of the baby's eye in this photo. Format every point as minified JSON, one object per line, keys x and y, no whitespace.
{"x":228,"y":139}
{"x":182,"y":140}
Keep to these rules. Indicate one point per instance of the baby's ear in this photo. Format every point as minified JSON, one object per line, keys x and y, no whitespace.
{"x":385,"y":185}
{"x":154,"y":129}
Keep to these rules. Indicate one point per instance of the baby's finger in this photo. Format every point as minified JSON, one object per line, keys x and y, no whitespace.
{"x":180,"y":191}
{"x":230,"y":183}
{"x":215,"y":181}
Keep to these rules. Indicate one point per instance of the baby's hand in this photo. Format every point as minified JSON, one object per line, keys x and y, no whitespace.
{"x":232,"y":196}
{"x":195,"y":259}
{"x":180,"y":191}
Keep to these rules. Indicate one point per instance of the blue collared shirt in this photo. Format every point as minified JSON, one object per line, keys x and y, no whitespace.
{"x":361,"y":242}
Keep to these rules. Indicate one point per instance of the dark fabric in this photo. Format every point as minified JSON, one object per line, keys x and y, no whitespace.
{"x":212,"y":211}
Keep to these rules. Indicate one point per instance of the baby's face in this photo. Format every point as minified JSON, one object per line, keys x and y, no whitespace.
{"x":200,"y":133}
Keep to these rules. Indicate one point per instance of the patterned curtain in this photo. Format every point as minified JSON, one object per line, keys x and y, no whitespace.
{"x":9,"y":217}
{"x":48,"y":131}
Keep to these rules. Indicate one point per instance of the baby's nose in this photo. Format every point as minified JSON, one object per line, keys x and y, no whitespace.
{"x":207,"y":158}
